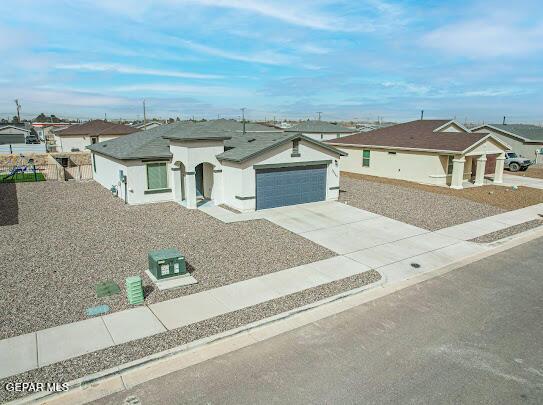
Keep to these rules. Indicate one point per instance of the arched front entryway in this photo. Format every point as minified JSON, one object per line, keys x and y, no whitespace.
{"x":204,"y":179}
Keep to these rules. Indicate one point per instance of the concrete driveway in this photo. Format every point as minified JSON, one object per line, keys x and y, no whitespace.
{"x":340,"y":227}
{"x":513,"y":180}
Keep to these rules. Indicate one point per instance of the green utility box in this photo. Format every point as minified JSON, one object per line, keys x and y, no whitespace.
{"x":134,"y":290}
{"x":166,"y":263}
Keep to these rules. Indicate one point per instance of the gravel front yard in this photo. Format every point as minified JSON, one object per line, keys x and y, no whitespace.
{"x":512,"y":230}
{"x":412,"y":205}
{"x":91,"y":363}
{"x":59,"y":239}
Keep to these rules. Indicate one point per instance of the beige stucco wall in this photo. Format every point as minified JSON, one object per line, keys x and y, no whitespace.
{"x":528,"y":150}
{"x":421,"y":167}
{"x":68,"y":142}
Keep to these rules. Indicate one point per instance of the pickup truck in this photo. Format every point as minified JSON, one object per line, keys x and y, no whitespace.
{"x":515,"y":162}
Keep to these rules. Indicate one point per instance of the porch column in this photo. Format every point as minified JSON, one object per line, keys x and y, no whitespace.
{"x":498,"y":173}
{"x":190,"y":189}
{"x":458,"y":173}
{"x":480,"y":171}
{"x":176,"y":183}
{"x":217,"y":186}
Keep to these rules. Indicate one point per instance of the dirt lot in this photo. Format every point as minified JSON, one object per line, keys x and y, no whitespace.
{"x":432,"y":207}
{"x":59,"y":239}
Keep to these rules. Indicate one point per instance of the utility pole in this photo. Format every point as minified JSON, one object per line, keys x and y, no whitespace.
{"x":18,"y":106}
{"x":243,"y":118}
{"x":319,"y":112}
{"x":105,"y":116}
{"x":421,"y":114}
{"x":144,"y":116}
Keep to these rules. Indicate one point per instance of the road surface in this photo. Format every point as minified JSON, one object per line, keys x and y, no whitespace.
{"x":474,"y":335}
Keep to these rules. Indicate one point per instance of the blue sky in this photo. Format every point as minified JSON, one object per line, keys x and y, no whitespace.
{"x":475,"y":60}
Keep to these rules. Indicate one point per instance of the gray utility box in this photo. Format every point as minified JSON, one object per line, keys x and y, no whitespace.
{"x":167,"y":263}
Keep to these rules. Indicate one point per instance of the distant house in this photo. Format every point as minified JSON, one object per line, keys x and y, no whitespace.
{"x":321,"y":130}
{"x":248,"y":167}
{"x":77,"y":137}
{"x":439,"y":152}
{"x":148,"y":125}
{"x":525,"y":140}
{"x":12,"y":134}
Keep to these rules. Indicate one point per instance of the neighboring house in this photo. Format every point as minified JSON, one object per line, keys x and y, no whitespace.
{"x":13,"y":134}
{"x":439,"y":152}
{"x":525,"y":140}
{"x":321,"y":130}
{"x":188,"y":162}
{"x":77,"y":137}
{"x":148,"y":125}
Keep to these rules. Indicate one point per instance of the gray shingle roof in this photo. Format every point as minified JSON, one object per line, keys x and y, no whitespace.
{"x":528,"y":132}
{"x":154,"y":143}
{"x":139,"y":145}
{"x":246,"y":146}
{"x":320,"y":127}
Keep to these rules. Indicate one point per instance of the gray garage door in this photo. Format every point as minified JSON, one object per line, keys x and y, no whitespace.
{"x":289,"y":186}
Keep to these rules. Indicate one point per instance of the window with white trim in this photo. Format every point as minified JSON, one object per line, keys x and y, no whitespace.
{"x":157,"y":176}
{"x":366,"y":158}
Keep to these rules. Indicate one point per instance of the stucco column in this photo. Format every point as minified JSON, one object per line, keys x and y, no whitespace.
{"x":458,"y":173}
{"x":190,"y":189}
{"x":176,"y":183}
{"x":480,"y":173}
{"x":498,"y":173}
{"x":217,"y":186}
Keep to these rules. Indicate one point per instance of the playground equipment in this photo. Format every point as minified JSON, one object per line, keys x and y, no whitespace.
{"x":19,"y":168}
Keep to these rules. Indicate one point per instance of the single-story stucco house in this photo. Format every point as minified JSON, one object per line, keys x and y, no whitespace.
{"x":525,"y":140}
{"x":246,"y":169}
{"x":321,"y":130}
{"x":438,"y":152}
{"x":77,"y":137}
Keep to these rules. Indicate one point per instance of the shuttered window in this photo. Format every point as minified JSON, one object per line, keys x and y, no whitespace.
{"x":366,"y":158}
{"x":156,"y":176}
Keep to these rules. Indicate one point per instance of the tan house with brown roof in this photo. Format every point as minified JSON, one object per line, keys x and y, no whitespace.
{"x":438,"y":152}
{"x":77,"y":137}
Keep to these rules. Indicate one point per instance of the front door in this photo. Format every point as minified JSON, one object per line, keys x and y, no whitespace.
{"x":199,"y":180}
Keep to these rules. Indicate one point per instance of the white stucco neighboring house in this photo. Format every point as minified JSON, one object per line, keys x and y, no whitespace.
{"x":321,"y":130}
{"x":438,"y":152}
{"x":526,"y":140}
{"x":148,"y":125}
{"x":77,"y":137}
{"x":219,"y":161}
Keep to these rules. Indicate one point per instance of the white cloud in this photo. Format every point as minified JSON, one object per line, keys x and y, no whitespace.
{"x":405,"y":86}
{"x":105,"y":67}
{"x":486,"y":37}
{"x":185,"y":89}
{"x":265,"y":57}
{"x":295,"y":13}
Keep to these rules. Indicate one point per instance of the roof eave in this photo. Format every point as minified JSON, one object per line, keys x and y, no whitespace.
{"x":356,"y":145}
{"x":502,"y":131}
{"x":283,"y":141}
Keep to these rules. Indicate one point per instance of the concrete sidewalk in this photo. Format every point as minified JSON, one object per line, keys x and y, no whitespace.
{"x":367,"y":241}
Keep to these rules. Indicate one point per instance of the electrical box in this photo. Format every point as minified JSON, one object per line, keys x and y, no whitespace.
{"x":167,"y":263}
{"x":122,"y":176}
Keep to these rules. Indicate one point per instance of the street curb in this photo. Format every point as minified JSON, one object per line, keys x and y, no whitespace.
{"x":128,"y":375}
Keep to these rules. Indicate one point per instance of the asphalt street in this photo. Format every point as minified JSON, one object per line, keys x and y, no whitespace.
{"x":473,"y":335}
